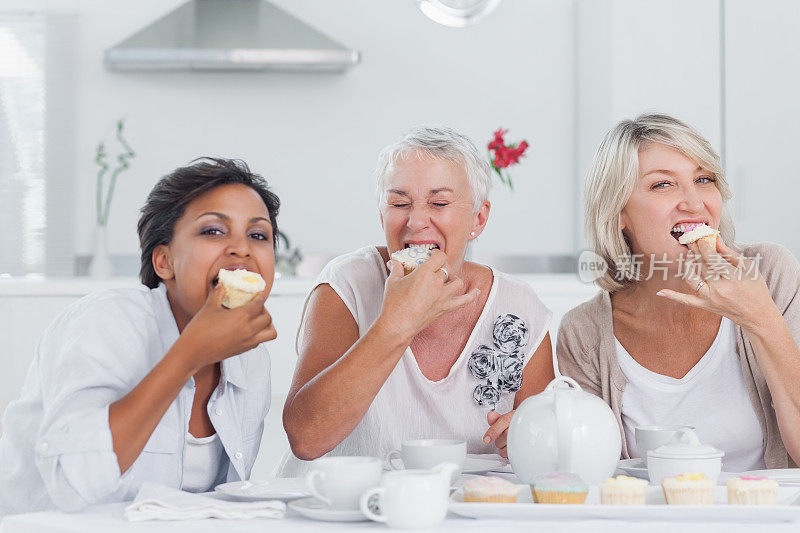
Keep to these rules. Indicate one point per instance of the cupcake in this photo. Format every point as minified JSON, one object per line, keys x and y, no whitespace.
{"x":688,"y":489}
{"x":241,"y":286}
{"x":490,"y":489}
{"x":623,"y":490}
{"x":752,"y":490}
{"x":413,"y":256}
{"x":695,"y":232}
{"x":559,"y":487}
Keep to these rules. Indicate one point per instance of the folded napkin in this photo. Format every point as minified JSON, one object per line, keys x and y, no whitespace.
{"x":159,"y":502}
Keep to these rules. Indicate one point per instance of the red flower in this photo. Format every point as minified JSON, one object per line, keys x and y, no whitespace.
{"x":503,"y":155}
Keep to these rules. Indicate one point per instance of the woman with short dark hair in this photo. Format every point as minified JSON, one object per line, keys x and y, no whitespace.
{"x":161,"y":382}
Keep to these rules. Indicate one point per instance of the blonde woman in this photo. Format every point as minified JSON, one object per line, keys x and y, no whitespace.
{"x":684,"y":334}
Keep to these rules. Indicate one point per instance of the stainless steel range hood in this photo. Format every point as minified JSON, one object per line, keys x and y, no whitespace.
{"x":229,"y":35}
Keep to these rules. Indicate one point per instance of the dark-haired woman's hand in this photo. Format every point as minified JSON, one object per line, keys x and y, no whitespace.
{"x":216,"y":332}
{"x":414,"y":301}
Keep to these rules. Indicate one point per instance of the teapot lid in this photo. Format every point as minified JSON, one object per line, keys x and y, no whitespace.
{"x":685,"y":444}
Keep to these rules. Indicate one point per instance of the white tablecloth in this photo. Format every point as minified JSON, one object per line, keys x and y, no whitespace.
{"x":108,"y":518}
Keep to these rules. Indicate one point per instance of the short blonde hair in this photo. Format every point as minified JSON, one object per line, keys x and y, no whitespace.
{"x":611,"y":179}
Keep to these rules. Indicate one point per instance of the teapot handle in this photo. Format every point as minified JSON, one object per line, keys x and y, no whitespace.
{"x":562,"y":406}
{"x":563,"y":379}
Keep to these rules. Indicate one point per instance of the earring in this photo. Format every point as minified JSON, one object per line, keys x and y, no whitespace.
{"x":472,"y":234}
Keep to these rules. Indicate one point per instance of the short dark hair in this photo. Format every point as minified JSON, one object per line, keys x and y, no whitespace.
{"x":167,"y":202}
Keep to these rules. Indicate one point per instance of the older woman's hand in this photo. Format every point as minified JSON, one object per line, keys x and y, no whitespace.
{"x":498,"y":430}
{"x":413,"y":302}
{"x":725,"y":282}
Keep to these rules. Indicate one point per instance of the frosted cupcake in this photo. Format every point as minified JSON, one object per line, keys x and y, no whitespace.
{"x":688,"y":489}
{"x":695,"y":232}
{"x":559,"y":487}
{"x":413,"y":256}
{"x":752,"y":490}
{"x":623,"y":490}
{"x":490,"y":489}
{"x":241,"y":286}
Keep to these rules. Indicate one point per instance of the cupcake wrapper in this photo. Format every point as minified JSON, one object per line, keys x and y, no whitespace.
{"x":689,"y":496}
{"x":493,"y":498}
{"x":752,"y":497}
{"x":235,"y":298}
{"x":557,"y":496}
{"x":622,"y":498}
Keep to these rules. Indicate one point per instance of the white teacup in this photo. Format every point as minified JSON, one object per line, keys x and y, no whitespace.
{"x":651,"y":437}
{"x":340,"y":481}
{"x":411,"y":499}
{"x":427,"y":453}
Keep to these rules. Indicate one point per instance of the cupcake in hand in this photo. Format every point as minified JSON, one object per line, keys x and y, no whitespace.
{"x":241,"y":286}
{"x":690,"y":233}
{"x":414,"y":256}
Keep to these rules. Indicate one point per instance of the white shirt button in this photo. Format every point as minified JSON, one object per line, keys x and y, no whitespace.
{"x":42,"y":447}
{"x":218,"y":411}
{"x":238,"y":455}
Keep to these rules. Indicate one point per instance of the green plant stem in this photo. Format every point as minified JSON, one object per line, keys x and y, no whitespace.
{"x":123,"y":165}
{"x":100,"y":161}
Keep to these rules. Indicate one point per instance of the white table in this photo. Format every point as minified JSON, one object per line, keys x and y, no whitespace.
{"x":108,"y":518}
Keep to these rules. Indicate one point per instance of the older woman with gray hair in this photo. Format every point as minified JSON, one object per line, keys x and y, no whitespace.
{"x":699,"y":334}
{"x":446,"y":351}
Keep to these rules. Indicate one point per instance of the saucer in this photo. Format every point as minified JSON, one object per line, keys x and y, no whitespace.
{"x":634,"y":468}
{"x":481,"y":465}
{"x":285,"y":489}
{"x":316,"y":510}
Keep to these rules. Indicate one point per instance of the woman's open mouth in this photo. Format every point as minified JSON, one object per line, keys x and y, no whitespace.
{"x":679,"y":229}
{"x":427,"y":246}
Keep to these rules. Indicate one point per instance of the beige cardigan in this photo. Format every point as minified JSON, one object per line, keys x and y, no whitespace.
{"x":586,"y":350}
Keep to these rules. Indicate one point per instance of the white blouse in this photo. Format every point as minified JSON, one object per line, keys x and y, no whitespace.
{"x":56,"y":448}
{"x":410,"y":406}
{"x":712,"y":397}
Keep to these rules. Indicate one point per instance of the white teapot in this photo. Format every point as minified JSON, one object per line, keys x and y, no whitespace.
{"x":564,"y":429}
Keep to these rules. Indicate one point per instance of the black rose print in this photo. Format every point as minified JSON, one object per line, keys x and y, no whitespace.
{"x":499,"y":369}
{"x":510,"y":379}
{"x":510,"y":333}
{"x":486,"y":396}
{"x":483,"y":362}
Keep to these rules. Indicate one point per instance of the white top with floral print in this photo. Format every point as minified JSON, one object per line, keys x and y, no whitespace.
{"x":409,"y":406}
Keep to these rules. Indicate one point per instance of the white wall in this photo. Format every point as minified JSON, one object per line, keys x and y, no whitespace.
{"x":556,"y":72}
{"x":763,"y":118}
{"x":636,"y":56}
{"x":316,"y":136}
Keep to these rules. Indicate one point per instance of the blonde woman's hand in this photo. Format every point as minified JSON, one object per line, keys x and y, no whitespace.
{"x":216,"y":332}
{"x":724,"y":282}
{"x":413,"y":302}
